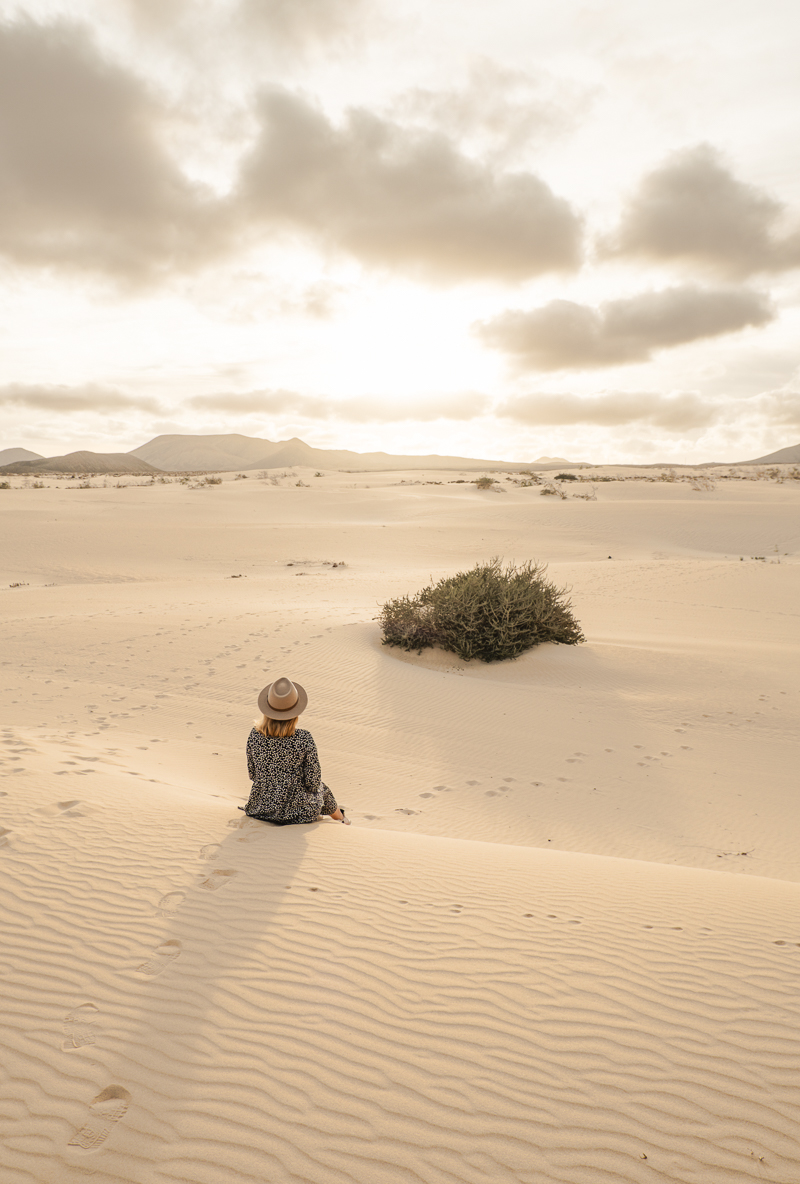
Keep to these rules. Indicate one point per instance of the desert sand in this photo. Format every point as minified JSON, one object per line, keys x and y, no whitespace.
{"x":560,"y":941}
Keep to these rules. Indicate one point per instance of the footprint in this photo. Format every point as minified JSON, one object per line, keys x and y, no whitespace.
{"x":373,"y":817}
{"x":244,"y":823}
{"x":218,"y":877}
{"x":426,"y":795}
{"x":209,"y":851}
{"x":252,"y":828}
{"x":160,"y":959}
{"x":104,"y":1111}
{"x":402,"y":810}
{"x":78,"y":1026}
{"x":170,"y":902}
{"x":58,"y":808}
{"x":468,"y":783}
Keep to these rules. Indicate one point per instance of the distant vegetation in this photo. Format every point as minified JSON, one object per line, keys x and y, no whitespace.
{"x":491,"y":613}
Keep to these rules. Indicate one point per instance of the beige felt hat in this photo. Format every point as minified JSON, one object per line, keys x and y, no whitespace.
{"x":282,"y":699}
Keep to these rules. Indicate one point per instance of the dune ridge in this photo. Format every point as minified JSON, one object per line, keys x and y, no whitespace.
{"x":375,"y":1005}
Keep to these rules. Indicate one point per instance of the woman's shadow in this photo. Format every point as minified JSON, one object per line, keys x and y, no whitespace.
{"x":206,"y":986}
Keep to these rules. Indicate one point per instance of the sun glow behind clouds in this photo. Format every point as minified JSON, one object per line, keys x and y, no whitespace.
{"x":379,"y":184}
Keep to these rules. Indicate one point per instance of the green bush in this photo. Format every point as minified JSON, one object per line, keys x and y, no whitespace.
{"x":485,"y":482}
{"x":491,"y":612}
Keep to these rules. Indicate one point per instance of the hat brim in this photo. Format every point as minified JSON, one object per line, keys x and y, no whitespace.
{"x":270,"y":712}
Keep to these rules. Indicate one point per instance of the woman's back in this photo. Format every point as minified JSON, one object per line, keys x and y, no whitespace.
{"x":282,"y":761}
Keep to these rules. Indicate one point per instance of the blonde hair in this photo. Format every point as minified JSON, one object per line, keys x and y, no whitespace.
{"x":279,"y":728}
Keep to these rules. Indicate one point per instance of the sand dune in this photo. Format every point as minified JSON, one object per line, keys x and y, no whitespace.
{"x":560,"y":941}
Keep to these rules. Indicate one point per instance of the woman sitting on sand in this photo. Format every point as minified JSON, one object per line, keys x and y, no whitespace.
{"x":283,"y":764}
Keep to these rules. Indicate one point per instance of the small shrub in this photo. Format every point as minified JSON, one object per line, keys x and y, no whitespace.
{"x":212,"y":480}
{"x":490,"y":613}
{"x":485,"y":482}
{"x":319,"y":474}
{"x":566,"y":477}
{"x":5,"y":484}
{"x":240,"y":477}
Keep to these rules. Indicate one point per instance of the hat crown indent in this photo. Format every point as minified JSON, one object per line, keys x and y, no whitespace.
{"x":282,"y":694}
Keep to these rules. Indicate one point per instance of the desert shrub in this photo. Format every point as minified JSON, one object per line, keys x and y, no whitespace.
{"x":491,"y":612}
{"x":566,"y":477}
{"x":5,"y":484}
{"x":485,"y":482}
{"x":212,"y":480}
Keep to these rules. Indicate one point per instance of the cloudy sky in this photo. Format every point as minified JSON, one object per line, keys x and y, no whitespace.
{"x":498,"y":228}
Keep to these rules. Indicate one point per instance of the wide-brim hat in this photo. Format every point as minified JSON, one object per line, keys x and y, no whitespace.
{"x":282,"y":699}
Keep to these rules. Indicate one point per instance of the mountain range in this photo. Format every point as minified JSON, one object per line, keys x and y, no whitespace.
{"x":225,"y":453}
{"x":80,"y":462}
{"x":228,"y":453}
{"x":784,"y":456}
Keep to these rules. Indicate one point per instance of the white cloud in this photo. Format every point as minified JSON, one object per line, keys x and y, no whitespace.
{"x":498,"y":111}
{"x":362,"y":410}
{"x":680,"y":412}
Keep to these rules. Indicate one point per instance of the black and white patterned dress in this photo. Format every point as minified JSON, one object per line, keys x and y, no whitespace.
{"x":287,"y":778}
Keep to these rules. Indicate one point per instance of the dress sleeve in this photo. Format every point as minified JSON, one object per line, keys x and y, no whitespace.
{"x":251,"y":766}
{"x":312,"y":773}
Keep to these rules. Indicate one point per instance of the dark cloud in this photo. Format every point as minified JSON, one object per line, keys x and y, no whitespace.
{"x":692,"y":209}
{"x":673,"y":413}
{"x":563,"y":335}
{"x":360,"y":410}
{"x":84,"y":182}
{"x":401,"y":198}
{"x":65,"y":399}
